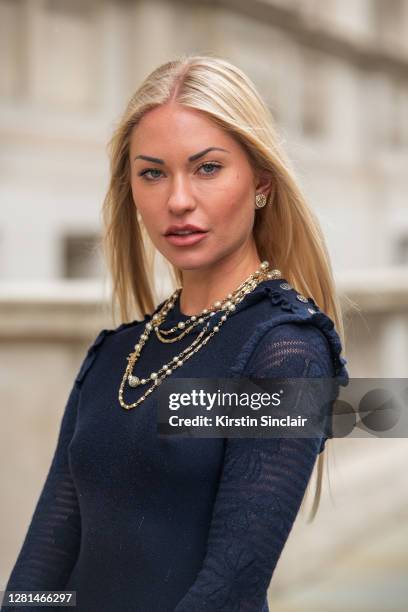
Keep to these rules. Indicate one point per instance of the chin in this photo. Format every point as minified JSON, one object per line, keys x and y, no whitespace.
{"x":191,"y":262}
{"x":183,"y":265}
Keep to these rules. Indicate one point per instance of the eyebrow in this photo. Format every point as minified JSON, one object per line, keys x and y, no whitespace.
{"x":157,"y":160}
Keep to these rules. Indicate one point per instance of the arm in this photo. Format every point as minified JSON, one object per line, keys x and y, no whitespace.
{"x":261,"y":488}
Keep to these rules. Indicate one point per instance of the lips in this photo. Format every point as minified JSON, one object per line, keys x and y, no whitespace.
{"x":186,"y":234}
{"x":186,"y":239}
{"x":187,"y":227}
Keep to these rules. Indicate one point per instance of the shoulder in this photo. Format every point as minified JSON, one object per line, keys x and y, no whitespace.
{"x":116,"y":334}
{"x":293,"y":326}
{"x":300,"y":348}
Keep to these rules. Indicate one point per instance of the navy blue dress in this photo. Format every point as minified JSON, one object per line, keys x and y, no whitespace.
{"x":138,"y":523}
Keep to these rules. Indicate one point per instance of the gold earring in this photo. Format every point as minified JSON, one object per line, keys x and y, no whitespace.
{"x":260,"y":200}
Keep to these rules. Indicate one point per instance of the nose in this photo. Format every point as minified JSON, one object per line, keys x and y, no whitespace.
{"x":180,"y":198}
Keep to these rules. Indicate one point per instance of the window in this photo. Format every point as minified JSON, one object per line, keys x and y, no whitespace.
{"x":81,"y":256}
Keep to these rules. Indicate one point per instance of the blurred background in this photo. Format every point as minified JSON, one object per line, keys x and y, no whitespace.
{"x":335,"y":76}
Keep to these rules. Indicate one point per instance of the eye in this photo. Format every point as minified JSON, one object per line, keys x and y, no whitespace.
{"x":145,"y":174}
{"x":210,"y":166}
{"x":152,"y":174}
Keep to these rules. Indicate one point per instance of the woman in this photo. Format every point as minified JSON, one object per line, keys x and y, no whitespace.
{"x":134,"y":522}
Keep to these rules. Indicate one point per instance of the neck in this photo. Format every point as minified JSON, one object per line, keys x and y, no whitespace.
{"x":203,"y":286}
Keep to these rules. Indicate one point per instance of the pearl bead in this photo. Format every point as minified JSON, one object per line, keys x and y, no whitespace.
{"x":193,"y":318}
{"x":181,"y":325}
{"x":264,"y":265}
{"x":201,"y":320}
{"x":216,"y":328}
{"x":149,"y":326}
{"x":217,"y":304}
{"x":143,"y":381}
{"x":153,"y":375}
{"x":133,"y":381}
{"x":231,"y":307}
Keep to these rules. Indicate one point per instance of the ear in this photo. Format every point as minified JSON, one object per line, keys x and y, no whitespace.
{"x":264,"y":183}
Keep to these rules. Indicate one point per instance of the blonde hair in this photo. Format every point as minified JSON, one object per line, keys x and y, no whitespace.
{"x":228,"y":97}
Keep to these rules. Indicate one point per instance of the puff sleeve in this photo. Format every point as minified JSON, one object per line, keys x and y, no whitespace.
{"x":261,"y":487}
{"x":51,"y":545}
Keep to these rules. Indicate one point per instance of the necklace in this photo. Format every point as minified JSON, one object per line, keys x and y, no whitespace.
{"x":225,"y":306}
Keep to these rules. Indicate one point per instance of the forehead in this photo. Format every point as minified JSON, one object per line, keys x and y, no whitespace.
{"x":174,"y":124}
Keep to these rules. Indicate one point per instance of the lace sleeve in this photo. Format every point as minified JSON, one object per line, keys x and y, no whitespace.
{"x":261,"y":488}
{"x":51,"y":544}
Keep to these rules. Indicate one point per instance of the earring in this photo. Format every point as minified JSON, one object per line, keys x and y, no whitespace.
{"x":260,"y":200}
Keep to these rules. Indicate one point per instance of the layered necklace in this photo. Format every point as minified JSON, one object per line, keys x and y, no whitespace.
{"x":182,"y":328}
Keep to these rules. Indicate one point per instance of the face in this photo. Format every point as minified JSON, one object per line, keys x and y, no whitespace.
{"x":187,"y":170}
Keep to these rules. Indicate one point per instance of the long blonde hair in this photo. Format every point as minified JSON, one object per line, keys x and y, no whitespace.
{"x":286,"y":231}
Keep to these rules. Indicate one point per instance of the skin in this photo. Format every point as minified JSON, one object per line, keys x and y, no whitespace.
{"x":215,"y":192}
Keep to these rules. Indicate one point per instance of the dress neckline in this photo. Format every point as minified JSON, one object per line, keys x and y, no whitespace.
{"x":258,"y":293}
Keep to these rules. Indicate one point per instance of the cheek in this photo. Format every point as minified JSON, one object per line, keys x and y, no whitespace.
{"x":234,"y":204}
{"x":142,"y":202}
{"x":234,"y":223}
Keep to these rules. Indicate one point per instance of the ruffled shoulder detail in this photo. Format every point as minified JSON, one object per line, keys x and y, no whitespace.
{"x":93,"y":349}
{"x":326,"y":324}
{"x":287,"y":305}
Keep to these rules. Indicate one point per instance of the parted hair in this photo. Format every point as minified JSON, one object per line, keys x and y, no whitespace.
{"x":286,"y":231}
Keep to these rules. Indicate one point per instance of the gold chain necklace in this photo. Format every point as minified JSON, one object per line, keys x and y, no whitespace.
{"x":227,"y":306}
